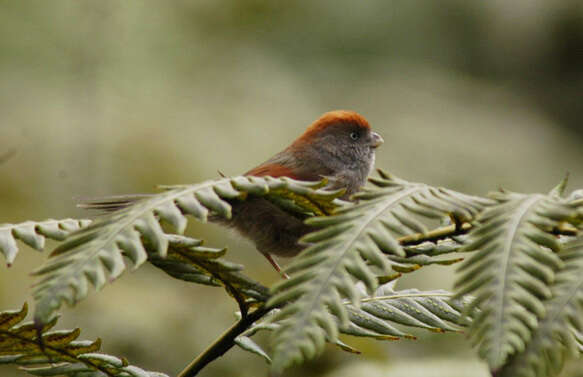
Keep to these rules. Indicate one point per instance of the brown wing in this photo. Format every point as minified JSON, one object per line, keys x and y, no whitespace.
{"x":273,"y":170}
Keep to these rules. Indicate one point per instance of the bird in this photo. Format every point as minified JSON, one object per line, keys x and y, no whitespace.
{"x":338,"y":146}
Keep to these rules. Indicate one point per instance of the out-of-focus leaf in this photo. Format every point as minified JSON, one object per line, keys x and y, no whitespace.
{"x":59,"y":353}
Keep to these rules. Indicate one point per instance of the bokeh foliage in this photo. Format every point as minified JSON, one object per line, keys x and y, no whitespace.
{"x":113,"y":97}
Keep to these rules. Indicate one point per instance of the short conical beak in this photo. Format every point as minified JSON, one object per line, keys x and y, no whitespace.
{"x":376,"y":140}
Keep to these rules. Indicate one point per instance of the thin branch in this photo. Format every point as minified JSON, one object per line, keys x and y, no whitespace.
{"x":243,"y":307}
{"x":435,"y":235}
{"x":223,"y":343}
{"x":564,"y":229}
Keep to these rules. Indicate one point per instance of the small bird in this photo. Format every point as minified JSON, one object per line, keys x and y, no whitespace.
{"x":339,"y":146}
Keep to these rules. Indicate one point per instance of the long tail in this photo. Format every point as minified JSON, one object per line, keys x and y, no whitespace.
{"x":111,"y":203}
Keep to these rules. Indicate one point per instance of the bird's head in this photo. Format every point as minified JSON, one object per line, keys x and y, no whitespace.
{"x":339,"y":145}
{"x":343,"y":144}
{"x":345,"y":130}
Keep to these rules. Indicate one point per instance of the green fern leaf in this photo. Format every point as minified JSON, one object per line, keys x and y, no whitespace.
{"x":95,"y":254}
{"x":560,"y":331}
{"x":428,"y":253}
{"x":188,"y":260}
{"x":34,"y":233}
{"x":513,"y":264}
{"x":430,"y":310}
{"x":576,"y":199}
{"x":247,"y":344}
{"x":354,"y":242}
{"x":434,"y":249}
{"x":59,"y":353}
{"x":379,"y":316}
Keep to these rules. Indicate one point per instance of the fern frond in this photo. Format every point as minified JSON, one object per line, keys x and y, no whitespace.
{"x":560,"y":332}
{"x":430,"y":310}
{"x":57,"y":353}
{"x":379,"y":316}
{"x":511,"y":269}
{"x":95,"y":254}
{"x":188,"y":260}
{"x":34,"y":233}
{"x":429,"y":253}
{"x":353,"y":242}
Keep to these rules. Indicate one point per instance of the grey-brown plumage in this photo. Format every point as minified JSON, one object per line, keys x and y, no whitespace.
{"x":339,"y":146}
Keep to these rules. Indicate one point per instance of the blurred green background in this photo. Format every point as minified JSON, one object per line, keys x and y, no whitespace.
{"x":111,"y":97}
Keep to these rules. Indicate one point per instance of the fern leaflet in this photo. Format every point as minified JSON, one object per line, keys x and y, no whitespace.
{"x":59,"y":353}
{"x":354,"y":241}
{"x":34,"y":233}
{"x":95,"y":254}
{"x":377,"y":315}
{"x":561,"y":330}
{"x":511,"y":269}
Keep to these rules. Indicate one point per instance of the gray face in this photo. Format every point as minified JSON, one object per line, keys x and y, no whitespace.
{"x":351,"y":145}
{"x":346,"y":152}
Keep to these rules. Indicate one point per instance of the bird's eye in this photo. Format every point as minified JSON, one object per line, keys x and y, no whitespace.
{"x":354,"y":135}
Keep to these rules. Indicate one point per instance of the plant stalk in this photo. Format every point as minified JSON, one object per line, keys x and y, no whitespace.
{"x":435,"y":235}
{"x":225,"y":342}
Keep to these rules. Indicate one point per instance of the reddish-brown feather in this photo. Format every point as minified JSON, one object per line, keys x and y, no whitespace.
{"x":273,"y":170}
{"x":337,"y":118}
{"x":333,"y":118}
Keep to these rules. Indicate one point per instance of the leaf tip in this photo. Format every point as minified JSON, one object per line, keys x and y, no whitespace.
{"x":559,"y":190}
